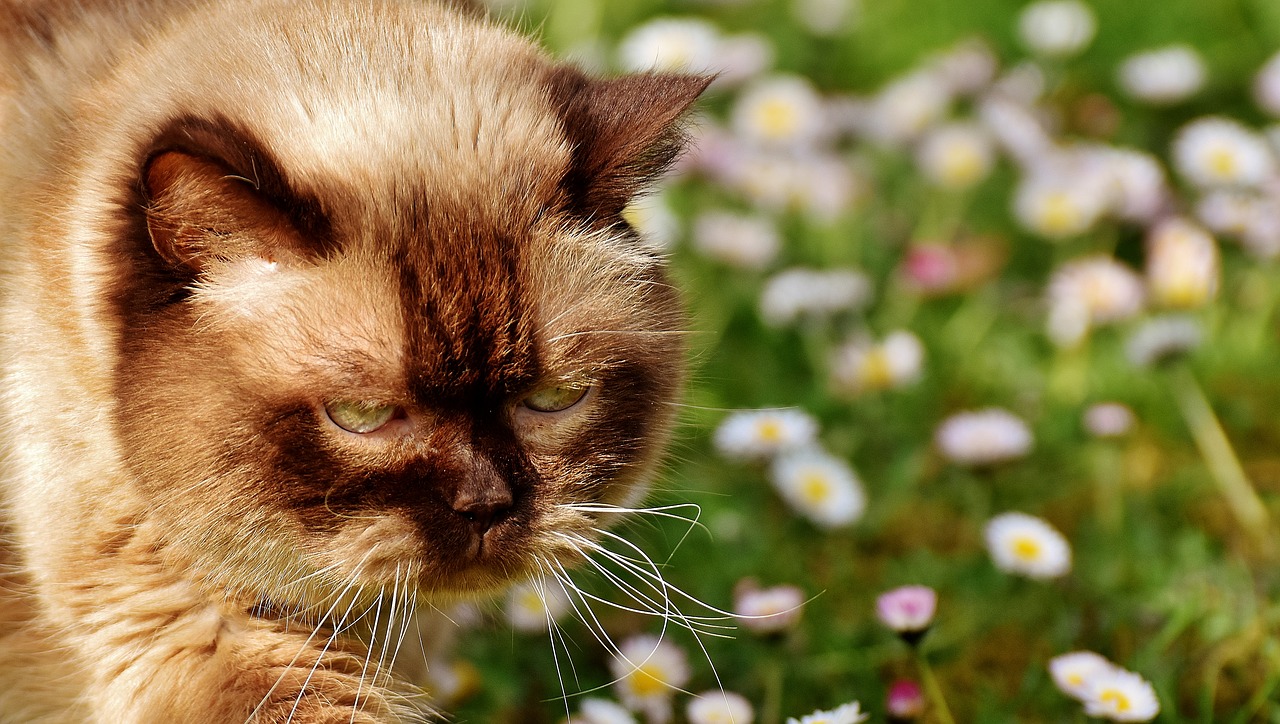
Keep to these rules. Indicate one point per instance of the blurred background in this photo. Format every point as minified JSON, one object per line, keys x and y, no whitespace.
{"x":983,"y":300}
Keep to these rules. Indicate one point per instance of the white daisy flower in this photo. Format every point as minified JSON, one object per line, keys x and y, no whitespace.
{"x":1103,"y":289}
{"x":819,"y":486}
{"x":906,"y":107}
{"x":768,"y":610}
{"x":759,"y":434}
{"x":967,"y":67}
{"x":1183,"y":266}
{"x":1016,"y":128}
{"x":1026,"y":545}
{"x":796,"y":293}
{"x":738,"y":240}
{"x":1072,"y":672}
{"x":1213,"y":152}
{"x":743,"y":56}
{"x":1164,"y":76}
{"x":673,"y":45}
{"x":983,"y":437}
{"x":531,"y":605}
{"x":1120,"y":695}
{"x":1266,"y":86}
{"x":1162,"y":339}
{"x":653,"y":220}
{"x":1108,"y":419}
{"x":1058,"y":201}
{"x":720,"y":707}
{"x":820,"y":185}
{"x":1226,"y":211}
{"x":1140,"y":192}
{"x":850,"y":713}
{"x":826,"y":17}
{"x":956,"y":155}
{"x":1261,"y":235}
{"x":602,"y":711}
{"x":781,"y":110}
{"x":1023,"y":84}
{"x":1057,"y":28}
{"x":863,"y":365}
{"x":648,"y":671}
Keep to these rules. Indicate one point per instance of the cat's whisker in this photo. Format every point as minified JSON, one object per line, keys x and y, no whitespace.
{"x":373,"y":634}
{"x":355,"y":574}
{"x":651,"y":332}
{"x":552,"y":630}
{"x":337,"y":631}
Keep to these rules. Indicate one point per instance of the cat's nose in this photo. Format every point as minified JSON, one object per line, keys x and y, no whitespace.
{"x":483,"y":504}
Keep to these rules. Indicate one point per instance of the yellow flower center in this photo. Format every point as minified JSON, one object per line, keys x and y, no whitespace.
{"x":647,"y":680}
{"x":633,"y":215}
{"x":1059,"y":214}
{"x":815,"y":488}
{"x":1223,"y":163}
{"x":778,"y":119}
{"x":529,"y":600}
{"x":1075,"y":679}
{"x":961,"y":165}
{"x":1116,"y":698}
{"x":1025,"y":548}
{"x":769,"y":431}
{"x":876,"y":371}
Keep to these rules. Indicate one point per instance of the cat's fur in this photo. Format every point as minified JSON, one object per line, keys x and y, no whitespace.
{"x":216,"y":218}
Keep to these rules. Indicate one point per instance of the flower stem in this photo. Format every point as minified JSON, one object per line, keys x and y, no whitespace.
{"x":1219,"y":456}
{"x":771,"y":707}
{"x":933,"y":690}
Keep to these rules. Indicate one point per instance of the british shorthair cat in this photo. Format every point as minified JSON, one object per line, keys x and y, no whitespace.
{"x":312,"y":312}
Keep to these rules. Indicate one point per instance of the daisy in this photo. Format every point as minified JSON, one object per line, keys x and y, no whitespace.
{"x":956,"y":156}
{"x":648,"y":671}
{"x":1164,"y":76}
{"x":983,"y":437}
{"x":1120,"y":695}
{"x":795,"y":293}
{"x":742,"y":57}
{"x":1182,"y":265}
{"x":1016,"y":128}
{"x":1138,"y":183}
{"x":826,"y":17}
{"x":768,"y":610}
{"x":850,"y":713}
{"x":1226,"y":211}
{"x":759,"y":434}
{"x":906,"y":107}
{"x":862,"y":365}
{"x":781,"y":111}
{"x":1026,"y":545}
{"x":1162,"y":339}
{"x":821,"y":487}
{"x":602,"y":711}
{"x":653,"y":220}
{"x":1213,"y":152}
{"x":908,"y":610}
{"x":1108,"y":419}
{"x":967,"y":67}
{"x":720,"y":707}
{"x":1058,"y":201}
{"x":1072,"y":672}
{"x":739,"y":240}
{"x":532,"y":605}
{"x":1266,"y":86}
{"x":674,"y":45}
{"x":1094,"y":290}
{"x":1056,"y":28}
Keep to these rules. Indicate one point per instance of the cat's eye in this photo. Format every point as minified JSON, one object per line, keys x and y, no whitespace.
{"x":557,"y":398}
{"x":360,"y":417}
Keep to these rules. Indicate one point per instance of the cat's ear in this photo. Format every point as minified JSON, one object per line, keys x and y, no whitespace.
{"x":625,"y":133}
{"x":199,"y":210}
{"x":210,"y":194}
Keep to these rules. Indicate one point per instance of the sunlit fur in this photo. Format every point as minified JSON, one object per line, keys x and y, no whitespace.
{"x":217,"y":218}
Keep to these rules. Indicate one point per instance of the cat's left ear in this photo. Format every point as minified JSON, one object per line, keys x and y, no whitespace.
{"x":625,"y":132}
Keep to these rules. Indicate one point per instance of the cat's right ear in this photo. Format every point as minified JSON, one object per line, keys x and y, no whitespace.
{"x":198,"y":211}
{"x":212,"y":193}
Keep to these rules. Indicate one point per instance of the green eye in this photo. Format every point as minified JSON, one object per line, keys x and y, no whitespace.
{"x":555,"y":399}
{"x":359,"y":417}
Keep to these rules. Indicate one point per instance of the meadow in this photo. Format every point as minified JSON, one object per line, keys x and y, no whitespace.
{"x":944,"y":262}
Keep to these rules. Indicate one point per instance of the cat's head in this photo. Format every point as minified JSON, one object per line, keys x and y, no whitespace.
{"x":381,"y":319}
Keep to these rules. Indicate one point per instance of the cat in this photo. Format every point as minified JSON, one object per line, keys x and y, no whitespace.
{"x":314,"y":313}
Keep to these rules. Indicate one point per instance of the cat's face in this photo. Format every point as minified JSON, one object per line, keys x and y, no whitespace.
{"x":397,"y":361}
